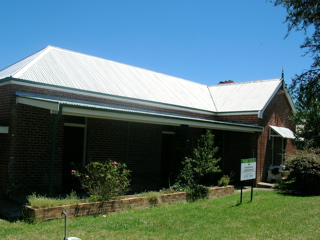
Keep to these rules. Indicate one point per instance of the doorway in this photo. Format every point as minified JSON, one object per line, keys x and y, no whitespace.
{"x":167,"y":159}
{"x":73,"y":157}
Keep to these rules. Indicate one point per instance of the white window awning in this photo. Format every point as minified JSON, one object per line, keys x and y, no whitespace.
{"x":4,"y":129}
{"x":281,"y":132}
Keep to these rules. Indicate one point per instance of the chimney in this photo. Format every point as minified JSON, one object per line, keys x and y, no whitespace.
{"x":226,"y":82}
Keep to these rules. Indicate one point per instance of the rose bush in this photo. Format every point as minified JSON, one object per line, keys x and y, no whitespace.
{"x":104,"y":180}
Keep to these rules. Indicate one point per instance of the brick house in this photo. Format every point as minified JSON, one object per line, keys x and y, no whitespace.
{"x":61,"y":109}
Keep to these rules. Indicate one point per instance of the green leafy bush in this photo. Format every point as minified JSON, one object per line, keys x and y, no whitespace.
{"x":304,"y":175}
{"x":224,"y":181}
{"x":197,"y":191}
{"x":104,"y":180}
{"x":202,"y":162}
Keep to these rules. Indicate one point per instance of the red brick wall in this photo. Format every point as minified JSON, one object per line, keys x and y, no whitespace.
{"x":7,"y":102}
{"x":277,"y":113}
{"x":4,"y":156}
{"x":25,"y":152}
{"x":106,"y":139}
{"x":26,"y":163}
{"x":144,"y":156}
{"x":137,"y":144}
{"x":26,"y":155}
{"x":247,"y":119}
{"x":30,"y":149}
{"x":237,"y":146}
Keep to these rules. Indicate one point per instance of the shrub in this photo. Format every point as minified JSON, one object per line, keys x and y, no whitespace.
{"x":224,"y":181}
{"x":104,"y":180}
{"x":304,"y":175}
{"x":196,"y":192}
{"x":202,"y":162}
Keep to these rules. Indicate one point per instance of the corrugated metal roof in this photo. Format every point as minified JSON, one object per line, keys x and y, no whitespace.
{"x":244,"y":96}
{"x":283,"y":132}
{"x":13,"y":69}
{"x":56,"y":66}
{"x":79,"y":71}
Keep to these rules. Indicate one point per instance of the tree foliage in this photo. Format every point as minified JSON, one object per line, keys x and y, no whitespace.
{"x":304,"y":15}
{"x":304,"y":178}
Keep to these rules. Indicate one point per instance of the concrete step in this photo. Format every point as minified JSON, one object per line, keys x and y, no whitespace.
{"x":265,"y":185}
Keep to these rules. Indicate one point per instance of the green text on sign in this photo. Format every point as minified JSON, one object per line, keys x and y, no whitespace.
{"x":249,"y":160}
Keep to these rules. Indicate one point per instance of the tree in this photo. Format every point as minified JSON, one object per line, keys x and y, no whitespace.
{"x":202,"y":162}
{"x":304,"y":15}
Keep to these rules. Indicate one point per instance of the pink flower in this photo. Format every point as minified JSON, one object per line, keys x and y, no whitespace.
{"x":87,"y":176}
{"x":73,"y":171}
{"x":115,"y":164}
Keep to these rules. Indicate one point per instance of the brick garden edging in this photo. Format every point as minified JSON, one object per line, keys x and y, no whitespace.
{"x":93,"y":208}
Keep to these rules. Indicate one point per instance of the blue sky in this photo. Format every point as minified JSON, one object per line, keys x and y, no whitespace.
{"x":204,"y":41}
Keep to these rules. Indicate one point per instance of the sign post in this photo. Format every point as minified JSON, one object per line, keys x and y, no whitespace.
{"x":248,"y":172}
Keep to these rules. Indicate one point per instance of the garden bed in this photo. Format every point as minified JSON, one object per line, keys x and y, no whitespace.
{"x":93,"y":208}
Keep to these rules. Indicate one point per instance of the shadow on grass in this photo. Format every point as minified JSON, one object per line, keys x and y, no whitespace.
{"x":291,"y":188}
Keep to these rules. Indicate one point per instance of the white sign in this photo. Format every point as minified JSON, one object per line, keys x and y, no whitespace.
{"x":248,"y":169}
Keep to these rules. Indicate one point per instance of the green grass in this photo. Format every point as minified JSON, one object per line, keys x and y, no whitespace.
{"x":39,"y":201}
{"x":269,"y":216}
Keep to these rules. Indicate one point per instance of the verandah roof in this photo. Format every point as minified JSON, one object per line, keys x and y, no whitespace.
{"x":98,"y":110}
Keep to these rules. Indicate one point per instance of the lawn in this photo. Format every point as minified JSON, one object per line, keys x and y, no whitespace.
{"x":269,"y":216}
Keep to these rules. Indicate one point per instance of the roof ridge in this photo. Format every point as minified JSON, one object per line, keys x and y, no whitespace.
{"x":245,"y":82}
{"x":25,"y":67}
{"x":213,"y":102}
{"x":19,"y":61}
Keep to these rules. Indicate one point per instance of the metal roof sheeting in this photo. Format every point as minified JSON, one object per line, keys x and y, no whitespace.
{"x":245,"y":96}
{"x":79,"y":71}
{"x":283,"y":132}
{"x":59,"y":67}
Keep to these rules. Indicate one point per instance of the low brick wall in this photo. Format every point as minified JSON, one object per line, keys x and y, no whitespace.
{"x":220,"y":191}
{"x":94,"y":208}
